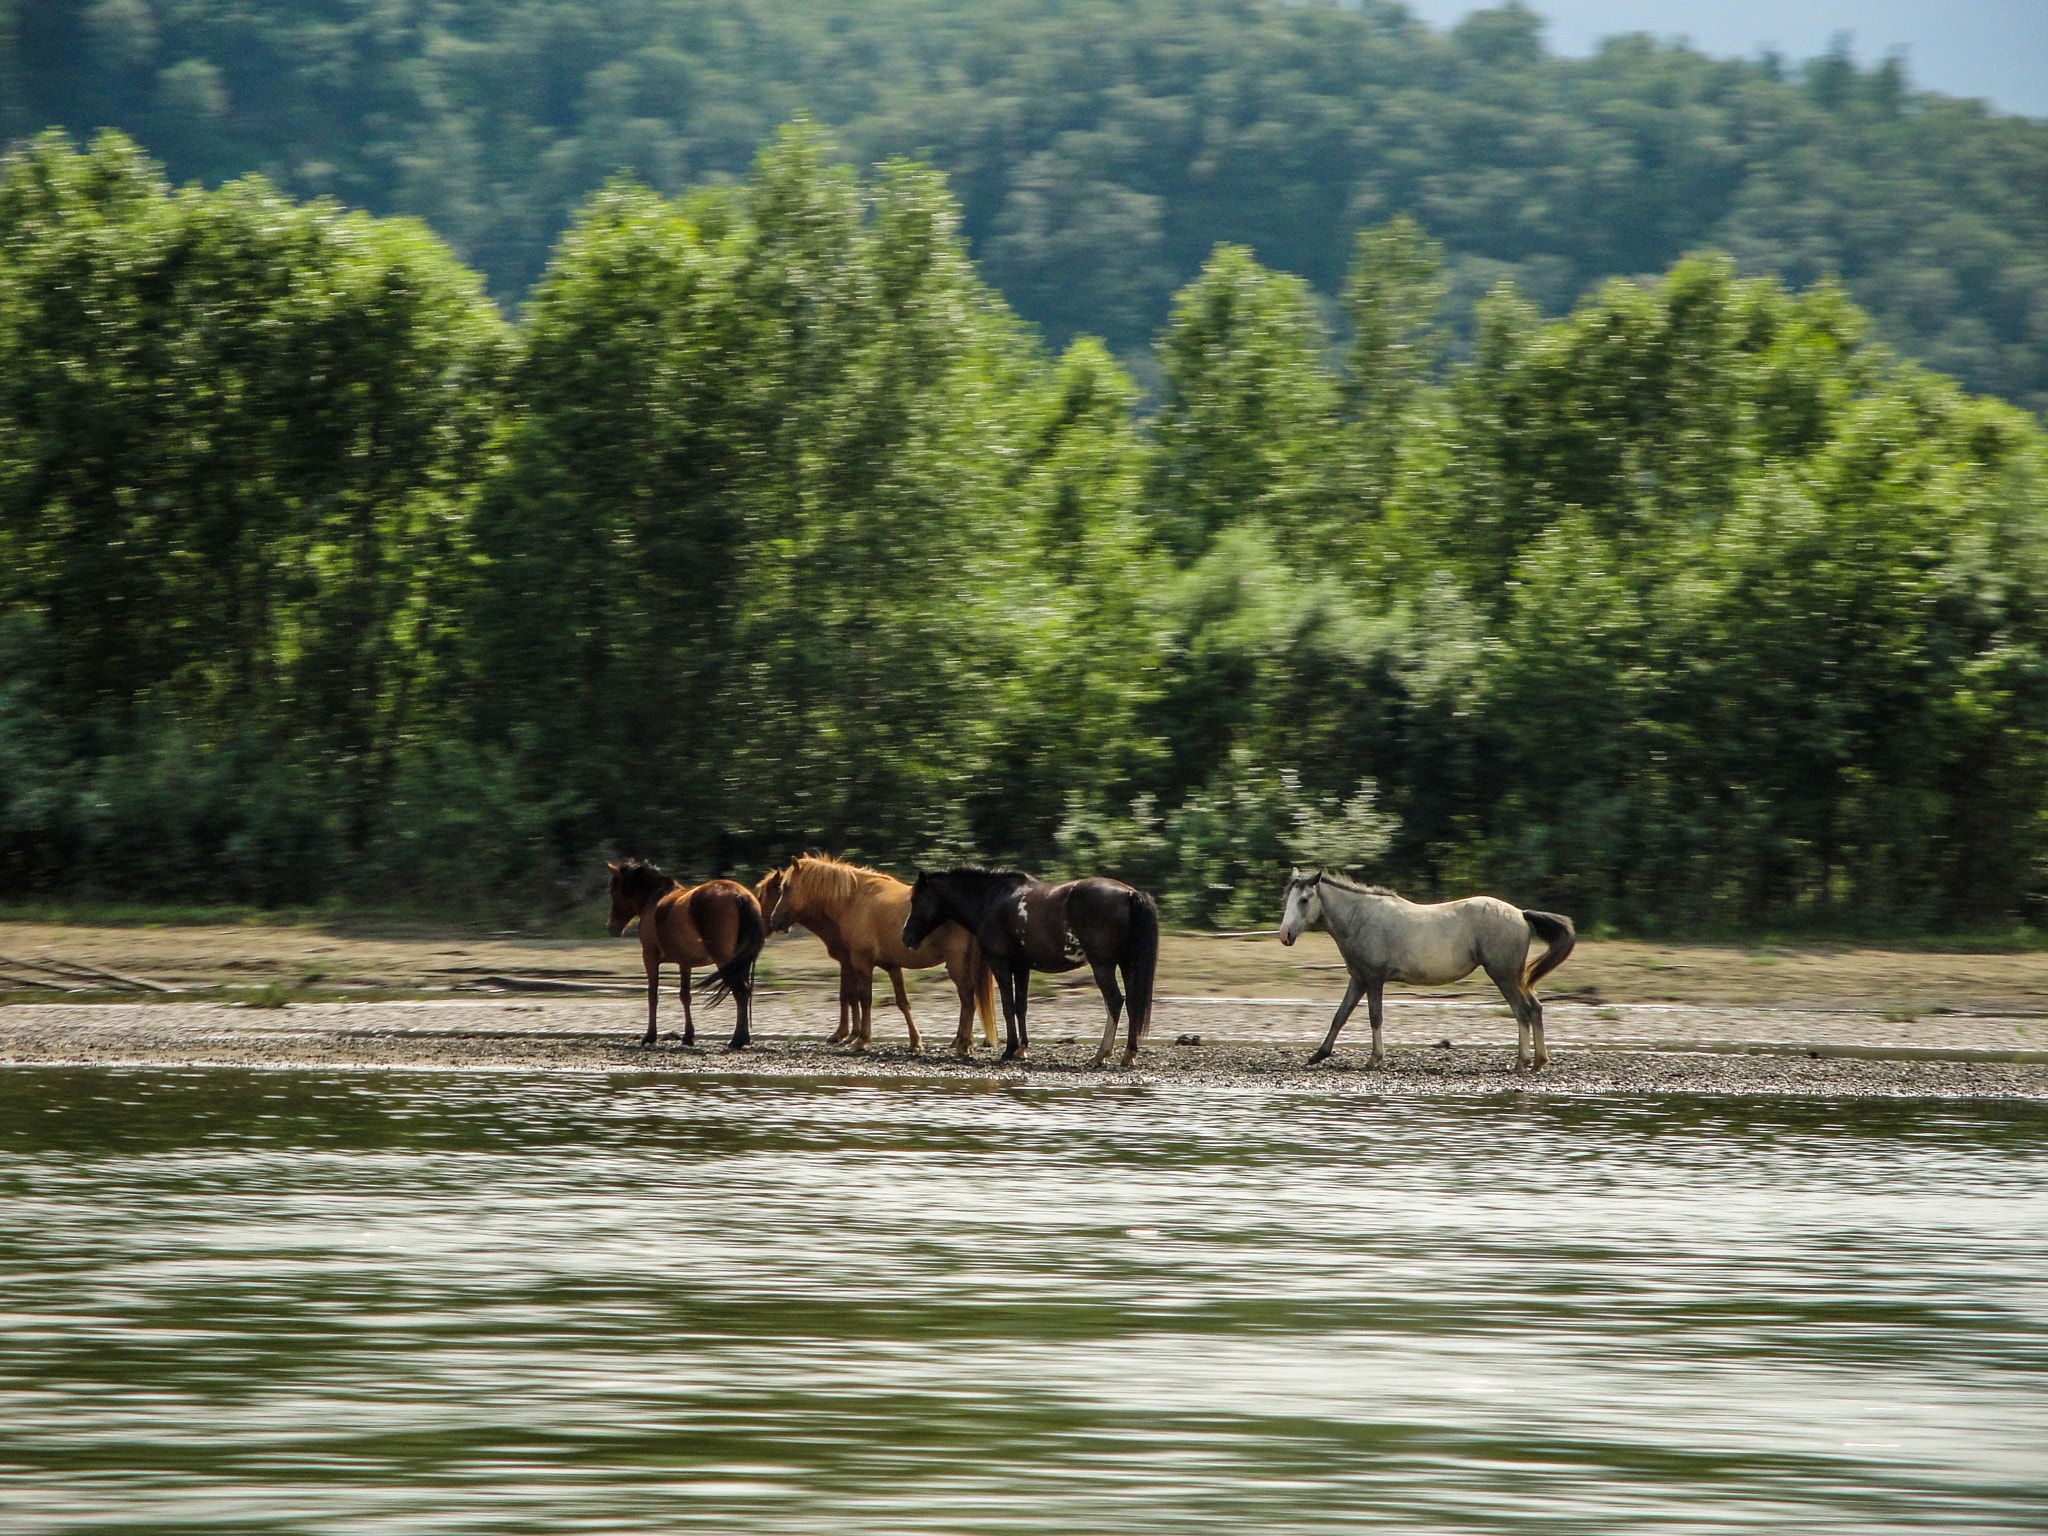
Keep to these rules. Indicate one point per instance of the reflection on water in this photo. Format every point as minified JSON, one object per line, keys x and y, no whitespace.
{"x":333,"y":1303}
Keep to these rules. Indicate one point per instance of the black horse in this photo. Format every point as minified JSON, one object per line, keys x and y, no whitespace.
{"x":1025,"y":925}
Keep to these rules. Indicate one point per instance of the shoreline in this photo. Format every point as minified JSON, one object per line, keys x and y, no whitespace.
{"x":1439,"y":1049}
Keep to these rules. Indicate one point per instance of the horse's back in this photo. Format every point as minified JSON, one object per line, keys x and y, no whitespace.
{"x":1099,"y":913}
{"x":871,"y":924}
{"x":714,"y":915}
{"x":1435,"y":943}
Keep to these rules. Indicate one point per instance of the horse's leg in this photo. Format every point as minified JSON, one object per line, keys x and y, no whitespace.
{"x":1138,"y":1025}
{"x":689,"y":1022}
{"x":1352,"y":994}
{"x":961,"y":974}
{"x":743,"y":1005}
{"x":861,"y":993}
{"x":903,"y":1002}
{"x":1014,"y":984}
{"x":1009,"y":1026}
{"x":1021,"y":985}
{"x":1521,"y":1004}
{"x":654,"y":997}
{"x":848,"y":1012}
{"x":1375,"y":993}
{"x":1105,"y":978}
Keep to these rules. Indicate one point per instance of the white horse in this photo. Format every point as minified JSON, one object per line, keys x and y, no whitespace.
{"x":1385,"y":938}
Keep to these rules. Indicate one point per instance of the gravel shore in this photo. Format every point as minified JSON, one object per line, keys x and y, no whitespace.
{"x":1434,"y":1047}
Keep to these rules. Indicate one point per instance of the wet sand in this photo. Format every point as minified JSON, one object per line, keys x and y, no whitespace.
{"x":1455,"y":1047}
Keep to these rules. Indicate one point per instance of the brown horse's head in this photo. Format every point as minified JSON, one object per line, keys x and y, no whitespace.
{"x":773,"y":894}
{"x":634,"y":884}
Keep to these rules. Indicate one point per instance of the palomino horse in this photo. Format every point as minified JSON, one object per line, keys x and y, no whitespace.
{"x":859,"y":914}
{"x":1025,"y":925}
{"x":717,"y":923}
{"x":1384,"y":938}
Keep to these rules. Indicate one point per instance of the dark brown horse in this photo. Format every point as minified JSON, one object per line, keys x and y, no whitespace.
{"x":717,"y":923}
{"x":1025,"y":925}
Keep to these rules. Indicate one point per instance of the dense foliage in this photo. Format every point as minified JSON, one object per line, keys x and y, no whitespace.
{"x":1101,"y":148}
{"x":771,"y":526}
{"x":238,"y":439}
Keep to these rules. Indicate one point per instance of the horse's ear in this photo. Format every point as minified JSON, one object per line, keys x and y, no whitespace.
{"x":611,"y":866}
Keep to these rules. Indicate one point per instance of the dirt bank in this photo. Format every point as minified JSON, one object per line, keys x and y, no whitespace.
{"x":357,"y":956}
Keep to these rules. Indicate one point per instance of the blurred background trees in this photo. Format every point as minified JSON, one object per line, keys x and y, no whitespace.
{"x":770,"y":525}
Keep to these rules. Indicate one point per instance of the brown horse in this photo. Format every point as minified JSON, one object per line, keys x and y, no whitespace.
{"x":859,"y":914}
{"x":717,"y":923}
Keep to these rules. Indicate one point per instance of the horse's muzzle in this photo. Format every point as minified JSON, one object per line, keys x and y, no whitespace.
{"x":1286,"y":937}
{"x":615,"y":929}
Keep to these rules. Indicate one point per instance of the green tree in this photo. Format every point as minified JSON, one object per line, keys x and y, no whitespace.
{"x":239,"y":435}
{"x":1247,"y":422}
{"x":237,"y":439}
{"x":768,"y":552}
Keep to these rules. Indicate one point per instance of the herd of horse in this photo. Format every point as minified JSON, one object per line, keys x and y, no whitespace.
{"x":991,"y":928}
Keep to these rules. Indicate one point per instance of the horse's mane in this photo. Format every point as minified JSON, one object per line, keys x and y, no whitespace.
{"x":1325,"y":878}
{"x":637,"y":876}
{"x":983,"y":872}
{"x":830,"y":882}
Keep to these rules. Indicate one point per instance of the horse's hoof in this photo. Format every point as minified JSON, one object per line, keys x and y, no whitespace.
{"x":1130,"y":1059}
{"x":1319,"y":1056}
{"x":1100,"y":1058}
{"x":1376,"y":1064}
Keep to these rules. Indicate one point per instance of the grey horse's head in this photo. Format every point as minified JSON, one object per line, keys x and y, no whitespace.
{"x":1303,"y":908}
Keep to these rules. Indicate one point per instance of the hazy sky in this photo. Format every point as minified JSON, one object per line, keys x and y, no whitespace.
{"x":1997,"y":49}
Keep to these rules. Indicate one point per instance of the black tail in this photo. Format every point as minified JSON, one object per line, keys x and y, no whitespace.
{"x":737,"y":974}
{"x":1141,"y":961}
{"x":1558,"y":933}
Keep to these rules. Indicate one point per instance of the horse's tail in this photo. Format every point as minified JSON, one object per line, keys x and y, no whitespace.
{"x":737,"y":974}
{"x":984,"y":991}
{"x":1557,"y":932}
{"x":1141,"y":960}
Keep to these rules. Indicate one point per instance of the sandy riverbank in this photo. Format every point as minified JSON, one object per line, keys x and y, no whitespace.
{"x":1647,"y":1048}
{"x":1622,"y":1017}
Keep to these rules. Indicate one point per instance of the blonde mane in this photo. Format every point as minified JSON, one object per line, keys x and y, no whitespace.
{"x":814,"y":880}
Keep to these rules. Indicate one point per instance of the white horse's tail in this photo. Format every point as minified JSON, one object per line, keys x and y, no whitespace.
{"x":1557,"y":932}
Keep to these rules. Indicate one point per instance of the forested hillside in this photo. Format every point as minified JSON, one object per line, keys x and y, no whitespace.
{"x":770,"y":526}
{"x":1100,"y":148}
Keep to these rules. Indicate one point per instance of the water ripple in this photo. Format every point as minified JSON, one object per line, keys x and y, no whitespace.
{"x":371,"y":1303}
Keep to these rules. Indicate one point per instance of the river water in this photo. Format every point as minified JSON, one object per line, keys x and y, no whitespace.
{"x":382,"y":1303}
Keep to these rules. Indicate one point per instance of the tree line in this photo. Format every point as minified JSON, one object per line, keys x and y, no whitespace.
{"x":770,"y":525}
{"x":1100,"y":150}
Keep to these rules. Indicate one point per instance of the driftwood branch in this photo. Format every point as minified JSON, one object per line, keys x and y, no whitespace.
{"x":76,"y":970}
